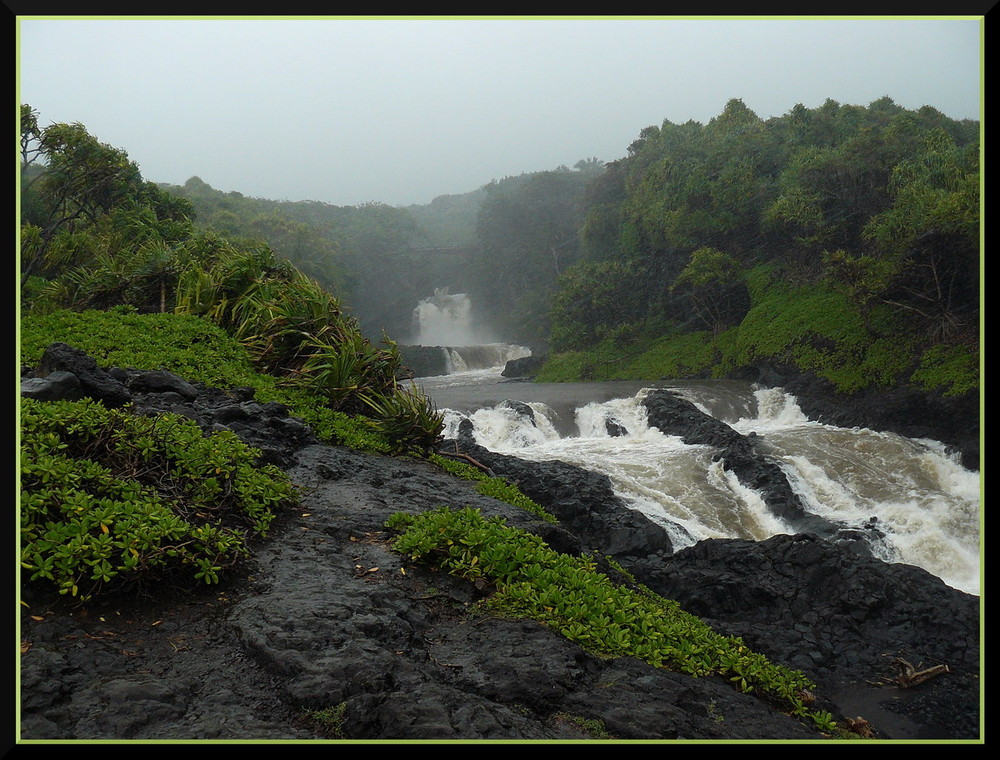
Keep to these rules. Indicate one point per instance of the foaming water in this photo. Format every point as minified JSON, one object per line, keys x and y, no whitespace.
{"x":656,"y":474}
{"x":924,"y":501}
{"x":487,"y":357}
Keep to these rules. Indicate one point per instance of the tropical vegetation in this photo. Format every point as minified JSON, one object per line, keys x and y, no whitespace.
{"x":842,"y":241}
{"x":95,"y":235}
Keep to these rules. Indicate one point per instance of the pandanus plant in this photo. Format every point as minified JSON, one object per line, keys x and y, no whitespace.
{"x":407,"y":417}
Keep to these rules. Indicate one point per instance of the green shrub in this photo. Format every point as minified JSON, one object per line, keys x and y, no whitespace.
{"x":111,"y":499}
{"x":407,"y":418}
{"x":952,"y":369}
{"x":195,"y":349}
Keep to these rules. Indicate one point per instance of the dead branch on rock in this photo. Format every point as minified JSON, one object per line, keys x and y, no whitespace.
{"x":909,"y":676}
{"x":470,"y":460}
{"x":860,"y":726}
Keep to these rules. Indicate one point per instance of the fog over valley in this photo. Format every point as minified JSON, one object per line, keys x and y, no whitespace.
{"x":399,"y":111}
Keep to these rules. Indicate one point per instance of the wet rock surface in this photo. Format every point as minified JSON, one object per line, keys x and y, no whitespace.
{"x":327,"y":617}
{"x":525,"y":367}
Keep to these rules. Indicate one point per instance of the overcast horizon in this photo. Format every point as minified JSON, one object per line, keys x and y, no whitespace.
{"x":399,"y":111}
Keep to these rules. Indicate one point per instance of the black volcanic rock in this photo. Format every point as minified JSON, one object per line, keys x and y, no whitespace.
{"x":95,"y":382}
{"x":526,"y":366}
{"x":841,"y":618}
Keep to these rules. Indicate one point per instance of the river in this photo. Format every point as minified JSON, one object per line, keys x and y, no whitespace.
{"x":924,"y":501}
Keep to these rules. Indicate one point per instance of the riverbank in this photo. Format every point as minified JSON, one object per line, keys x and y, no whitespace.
{"x":329,"y":634}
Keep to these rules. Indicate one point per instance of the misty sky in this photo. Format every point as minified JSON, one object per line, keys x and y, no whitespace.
{"x":400,"y":111}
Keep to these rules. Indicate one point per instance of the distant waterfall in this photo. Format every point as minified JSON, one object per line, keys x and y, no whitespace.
{"x":446,"y":320}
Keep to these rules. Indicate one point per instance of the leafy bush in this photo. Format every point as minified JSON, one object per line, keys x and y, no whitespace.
{"x":567,"y":594}
{"x":111,"y":499}
{"x":407,"y":418}
{"x":952,"y":369}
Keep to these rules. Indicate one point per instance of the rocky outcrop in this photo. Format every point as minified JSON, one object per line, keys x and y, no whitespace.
{"x":742,"y":455}
{"x":328,"y":618}
{"x":853,"y":623}
{"x":525,"y":367}
{"x":91,"y":380}
{"x":424,"y":361}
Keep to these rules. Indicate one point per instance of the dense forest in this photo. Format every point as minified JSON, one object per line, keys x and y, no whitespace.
{"x":842,"y":241}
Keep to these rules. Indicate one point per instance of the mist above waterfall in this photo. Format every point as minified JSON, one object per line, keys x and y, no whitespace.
{"x":446,"y":319}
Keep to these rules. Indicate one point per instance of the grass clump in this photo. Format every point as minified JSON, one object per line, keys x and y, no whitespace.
{"x":198,"y":350}
{"x":329,"y":720}
{"x":567,"y":594}
{"x":593,"y":727}
{"x":110,"y":499}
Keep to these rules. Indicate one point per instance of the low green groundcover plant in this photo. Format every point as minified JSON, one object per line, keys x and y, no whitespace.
{"x":498,"y":488}
{"x":567,"y":594}
{"x":111,"y":499}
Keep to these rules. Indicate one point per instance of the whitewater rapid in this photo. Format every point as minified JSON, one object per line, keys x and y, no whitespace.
{"x":924,"y":501}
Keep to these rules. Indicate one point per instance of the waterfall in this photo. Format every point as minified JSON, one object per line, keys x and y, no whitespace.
{"x":446,"y":320}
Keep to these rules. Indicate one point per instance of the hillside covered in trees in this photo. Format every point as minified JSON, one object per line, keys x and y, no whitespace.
{"x":842,"y":241}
